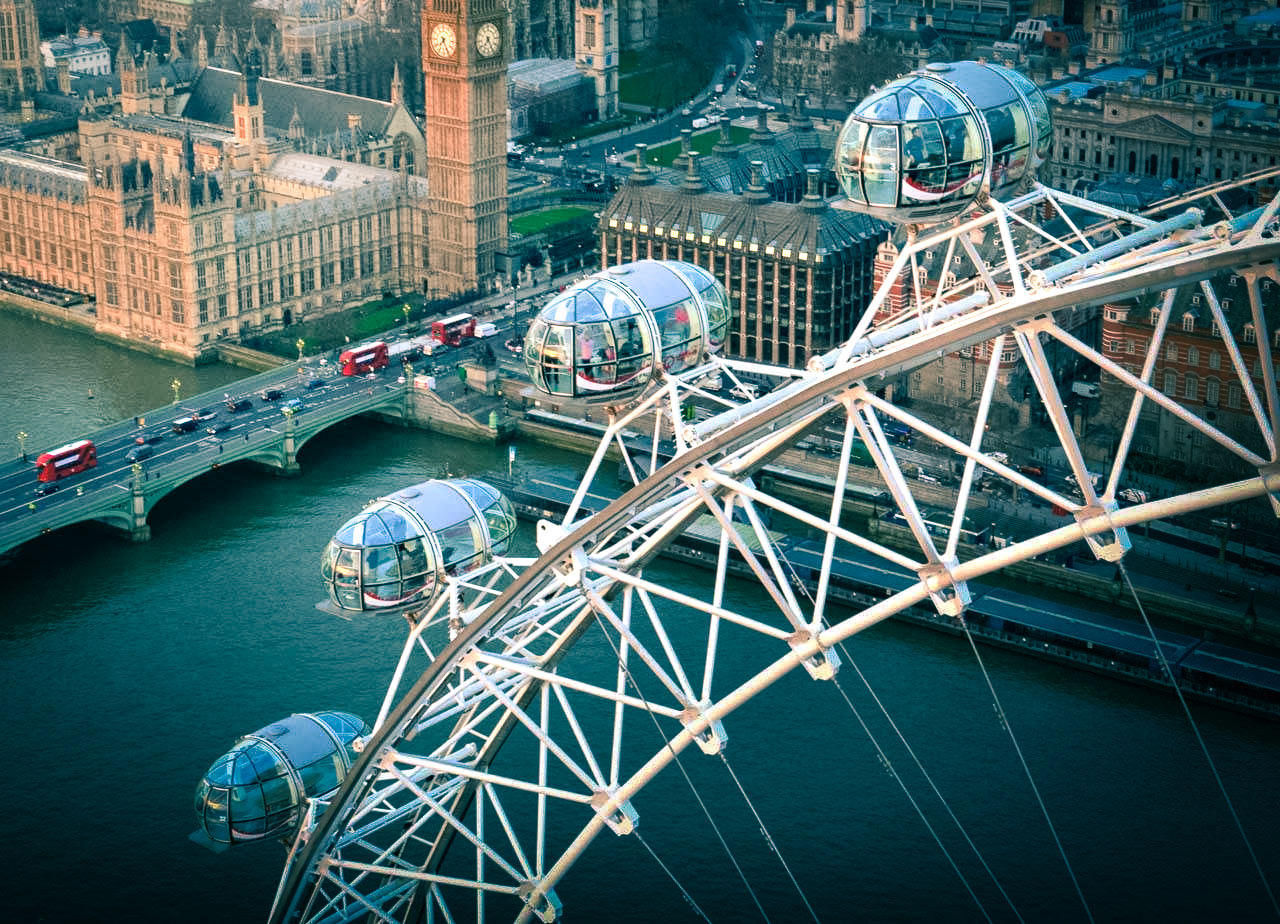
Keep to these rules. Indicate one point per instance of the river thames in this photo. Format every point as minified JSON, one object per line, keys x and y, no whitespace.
{"x":128,"y":668}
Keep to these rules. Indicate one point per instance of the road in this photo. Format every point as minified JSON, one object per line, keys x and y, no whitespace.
{"x":155,"y":429}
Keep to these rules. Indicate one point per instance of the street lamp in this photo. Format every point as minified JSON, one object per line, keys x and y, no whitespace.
{"x":22,"y":444}
{"x":301,"y":345}
{"x":176,"y":385}
{"x":406,"y":309}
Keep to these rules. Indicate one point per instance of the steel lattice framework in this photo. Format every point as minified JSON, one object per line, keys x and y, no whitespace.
{"x":498,"y":757}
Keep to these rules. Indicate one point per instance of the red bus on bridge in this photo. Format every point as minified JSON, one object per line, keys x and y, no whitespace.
{"x":66,"y":460}
{"x":362,"y":359}
{"x":451,"y":331}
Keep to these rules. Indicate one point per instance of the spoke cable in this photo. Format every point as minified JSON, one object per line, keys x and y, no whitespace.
{"x":932,"y":785}
{"x":768,"y":838}
{"x":897,"y":778}
{"x":1026,"y":769}
{"x":1204,"y":747}
{"x":666,"y":869}
{"x":683,"y":772}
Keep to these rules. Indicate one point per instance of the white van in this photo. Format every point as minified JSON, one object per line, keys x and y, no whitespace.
{"x":486,"y":329}
{"x":746,"y":391}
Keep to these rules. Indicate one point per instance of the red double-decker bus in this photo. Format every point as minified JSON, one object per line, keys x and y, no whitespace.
{"x":451,"y":331}
{"x":66,"y":460}
{"x":362,"y":359}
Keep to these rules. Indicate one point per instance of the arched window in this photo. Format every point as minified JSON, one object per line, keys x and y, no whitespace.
{"x":1190,"y":386}
{"x":1215,"y":361}
{"x":1189,"y":321}
{"x":1211,"y":392}
{"x":1193,"y":356}
{"x":1170,"y":382}
{"x":1155,"y":316}
{"x":1171,"y":353}
{"x":1249,"y":333}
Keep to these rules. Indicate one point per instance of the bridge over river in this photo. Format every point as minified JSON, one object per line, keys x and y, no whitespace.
{"x":269,"y":432}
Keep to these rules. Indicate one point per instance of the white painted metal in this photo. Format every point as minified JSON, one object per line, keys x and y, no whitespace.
{"x":501,"y":737}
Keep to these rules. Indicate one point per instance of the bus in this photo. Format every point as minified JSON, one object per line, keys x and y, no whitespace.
{"x":453,"y":330}
{"x":362,"y":359}
{"x":66,"y":460}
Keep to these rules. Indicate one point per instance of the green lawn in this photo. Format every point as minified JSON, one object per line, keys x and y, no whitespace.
{"x":703,"y":141}
{"x":533,"y":222}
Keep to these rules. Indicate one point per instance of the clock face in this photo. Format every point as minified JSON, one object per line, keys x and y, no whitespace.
{"x":488,"y":40}
{"x":443,"y":40}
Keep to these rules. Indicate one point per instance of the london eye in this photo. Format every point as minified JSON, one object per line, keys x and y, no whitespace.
{"x":500,"y":755}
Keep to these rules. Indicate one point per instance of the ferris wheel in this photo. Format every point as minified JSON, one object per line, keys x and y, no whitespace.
{"x":499,"y":755}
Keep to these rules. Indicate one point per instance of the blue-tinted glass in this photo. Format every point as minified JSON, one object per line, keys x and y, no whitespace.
{"x":941,"y":99}
{"x":413,"y":559}
{"x":588,"y":307}
{"x":246,"y":802}
{"x":302,"y":739}
{"x":882,"y":105}
{"x":352,"y":531}
{"x":278,"y":794}
{"x":220,"y":773}
{"x":380,"y":565}
{"x":251,"y":827}
{"x":375,"y":531}
{"x":320,"y":776}
{"x":218,"y":830}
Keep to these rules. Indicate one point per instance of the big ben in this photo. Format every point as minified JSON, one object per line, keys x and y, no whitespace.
{"x":464,"y":63}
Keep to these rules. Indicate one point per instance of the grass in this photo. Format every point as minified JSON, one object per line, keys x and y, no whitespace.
{"x":665,"y":154}
{"x":659,"y":85}
{"x":541,"y":220}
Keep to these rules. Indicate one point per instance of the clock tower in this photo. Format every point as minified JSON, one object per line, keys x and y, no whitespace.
{"x":464,"y":64}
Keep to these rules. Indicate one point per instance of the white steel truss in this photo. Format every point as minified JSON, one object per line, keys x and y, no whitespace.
{"x":495,"y":763}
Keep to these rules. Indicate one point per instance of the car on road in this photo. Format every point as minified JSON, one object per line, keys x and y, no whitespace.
{"x":205,"y":413}
{"x":236,"y":405}
{"x":1224,"y":523}
{"x":150,"y":440}
{"x":138,"y":453}
{"x":219,"y":427}
{"x":315,"y":383}
{"x":292,"y":406}
{"x":184,"y":425}
{"x":47,"y":487}
{"x":1132,"y":495}
{"x":271,"y":394}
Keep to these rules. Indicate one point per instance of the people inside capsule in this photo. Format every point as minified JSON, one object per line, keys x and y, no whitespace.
{"x":922,"y":148}
{"x":257,"y":789}
{"x":398,"y":550}
{"x":609,"y":334}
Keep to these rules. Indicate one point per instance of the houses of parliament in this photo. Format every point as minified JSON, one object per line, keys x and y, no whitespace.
{"x":204,"y":204}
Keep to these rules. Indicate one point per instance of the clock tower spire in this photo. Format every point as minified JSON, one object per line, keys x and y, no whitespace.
{"x":464,"y":65}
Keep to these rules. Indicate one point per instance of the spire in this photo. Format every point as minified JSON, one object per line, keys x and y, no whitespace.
{"x":397,"y":86}
{"x":202,"y":49}
{"x":174,"y":53}
{"x":188,"y":153}
{"x":296,"y":129}
{"x":124,"y":57}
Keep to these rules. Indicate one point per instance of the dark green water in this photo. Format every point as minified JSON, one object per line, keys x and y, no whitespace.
{"x":127,"y":669}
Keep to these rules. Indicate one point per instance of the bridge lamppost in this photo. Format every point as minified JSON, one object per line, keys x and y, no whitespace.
{"x":406,"y":309}
{"x":22,"y":444}
{"x":301,"y":345}
{"x":176,"y":385}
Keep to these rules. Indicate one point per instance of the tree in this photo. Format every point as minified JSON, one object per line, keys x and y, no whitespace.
{"x":857,"y":66}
